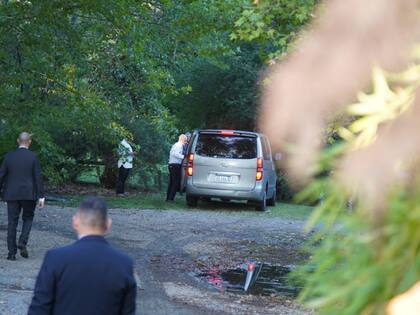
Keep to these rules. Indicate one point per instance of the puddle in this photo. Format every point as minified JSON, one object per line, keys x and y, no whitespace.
{"x":271,"y":280}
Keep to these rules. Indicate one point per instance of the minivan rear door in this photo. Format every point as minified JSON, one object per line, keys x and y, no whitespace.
{"x":185,"y":161}
{"x":225,"y":161}
{"x":269,"y":168}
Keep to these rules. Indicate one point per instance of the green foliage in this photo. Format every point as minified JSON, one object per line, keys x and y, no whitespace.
{"x":82,"y":75}
{"x":358,"y":268}
{"x":285,"y":189}
{"x":275,"y":24}
{"x":45,"y":62}
{"x":223,"y":95}
{"x":363,"y":257}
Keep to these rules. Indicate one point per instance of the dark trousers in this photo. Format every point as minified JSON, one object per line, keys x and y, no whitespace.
{"x":13,"y":212}
{"x":122,"y":177}
{"x":174,"y":180}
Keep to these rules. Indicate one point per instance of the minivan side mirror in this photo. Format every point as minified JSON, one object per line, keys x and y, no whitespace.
{"x":277,"y":156}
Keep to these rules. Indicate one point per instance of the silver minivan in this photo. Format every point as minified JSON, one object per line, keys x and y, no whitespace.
{"x":229,"y":165}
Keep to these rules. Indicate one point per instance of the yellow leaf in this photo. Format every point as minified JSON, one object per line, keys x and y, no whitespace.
{"x":345,"y":134}
{"x":380,"y":85}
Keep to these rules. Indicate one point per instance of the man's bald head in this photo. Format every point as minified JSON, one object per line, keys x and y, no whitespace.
{"x":25,"y":139}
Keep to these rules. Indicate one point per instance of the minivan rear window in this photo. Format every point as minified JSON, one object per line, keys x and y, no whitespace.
{"x":228,"y":147}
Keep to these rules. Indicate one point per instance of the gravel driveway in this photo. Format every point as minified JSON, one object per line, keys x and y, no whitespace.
{"x":168,"y":246}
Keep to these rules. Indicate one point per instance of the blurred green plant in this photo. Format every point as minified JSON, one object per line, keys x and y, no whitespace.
{"x":361,"y":258}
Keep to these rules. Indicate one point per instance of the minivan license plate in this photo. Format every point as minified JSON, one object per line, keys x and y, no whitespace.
{"x":224,"y":179}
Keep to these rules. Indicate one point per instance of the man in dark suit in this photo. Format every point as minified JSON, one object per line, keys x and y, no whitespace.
{"x":88,"y":277}
{"x":21,"y":180}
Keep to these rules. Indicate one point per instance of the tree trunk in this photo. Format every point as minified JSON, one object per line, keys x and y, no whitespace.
{"x":159,"y":180}
{"x":109,"y":176}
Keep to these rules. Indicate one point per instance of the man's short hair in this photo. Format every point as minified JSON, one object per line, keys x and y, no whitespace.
{"x":93,"y":212}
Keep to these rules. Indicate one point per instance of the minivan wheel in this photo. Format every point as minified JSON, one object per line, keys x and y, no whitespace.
{"x":272,"y":201}
{"x":191,"y":201}
{"x":262,"y":204}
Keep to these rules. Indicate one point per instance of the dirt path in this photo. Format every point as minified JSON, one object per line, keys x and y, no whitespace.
{"x":168,"y":248}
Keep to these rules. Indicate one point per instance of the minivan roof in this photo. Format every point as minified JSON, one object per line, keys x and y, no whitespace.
{"x":229,"y":132}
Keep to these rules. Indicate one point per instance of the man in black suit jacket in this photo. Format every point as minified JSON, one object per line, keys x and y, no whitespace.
{"x":21,"y":180}
{"x":88,"y":277}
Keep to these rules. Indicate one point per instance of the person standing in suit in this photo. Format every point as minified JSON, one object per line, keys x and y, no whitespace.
{"x":175,"y":166}
{"x":88,"y":277}
{"x":21,"y":182}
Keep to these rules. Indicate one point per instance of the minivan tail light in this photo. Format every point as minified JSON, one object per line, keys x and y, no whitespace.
{"x":190,"y":164}
{"x":260,"y":169}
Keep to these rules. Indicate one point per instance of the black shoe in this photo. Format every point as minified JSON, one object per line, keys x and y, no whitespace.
{"x":24,"y":252}
{"x":11,"y":257}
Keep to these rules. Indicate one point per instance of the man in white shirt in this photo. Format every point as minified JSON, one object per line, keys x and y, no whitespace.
{"x":175,"y":167}
{"x":125,"y":164}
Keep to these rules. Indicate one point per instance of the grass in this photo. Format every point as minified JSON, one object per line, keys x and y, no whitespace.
{"x":90,"y":176}
{"x":291,"y":211}
{"x":157,"y":202}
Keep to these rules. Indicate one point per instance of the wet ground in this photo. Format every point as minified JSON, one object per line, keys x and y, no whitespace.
{"x":171,"y":249}
{"x":253,"y":278}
